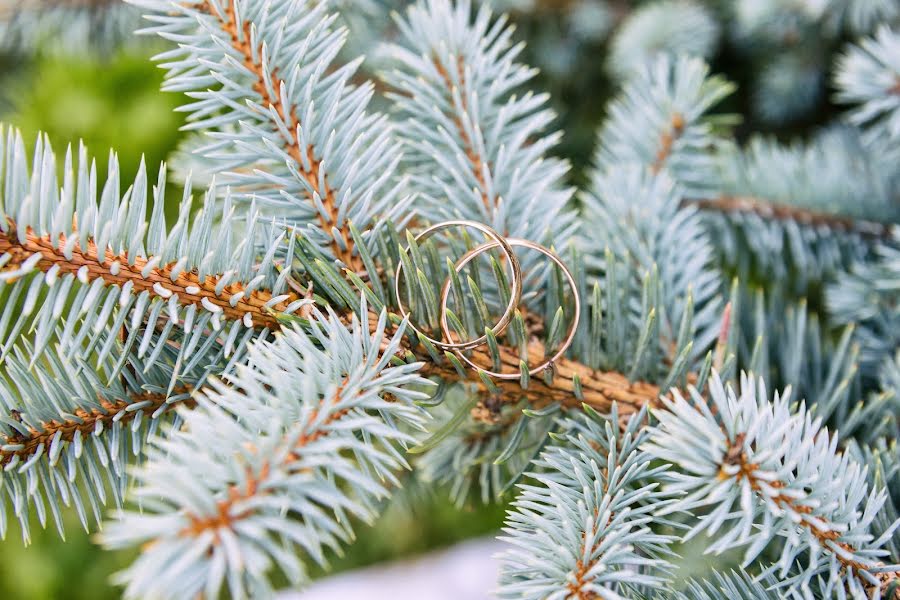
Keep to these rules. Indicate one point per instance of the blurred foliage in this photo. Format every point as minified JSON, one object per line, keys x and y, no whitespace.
{"x":417,"y":518}
{"x":75,"y":570}
{"x":107,"y":101}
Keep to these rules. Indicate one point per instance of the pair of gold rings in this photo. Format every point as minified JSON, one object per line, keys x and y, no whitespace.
{"x":506,"y":246}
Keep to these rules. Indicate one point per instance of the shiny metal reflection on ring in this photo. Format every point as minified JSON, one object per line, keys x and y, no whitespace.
{"x":506,"y":246}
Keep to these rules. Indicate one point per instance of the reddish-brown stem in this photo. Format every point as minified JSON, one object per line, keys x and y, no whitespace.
{"x":599,"y":389}
{"x":773,"y":211}
{"x":85,"y":422}
{"x":100,"y":265}
{"x":667,"y":141}
{"x":240,"y":37}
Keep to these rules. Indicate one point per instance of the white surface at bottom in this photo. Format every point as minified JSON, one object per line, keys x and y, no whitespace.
{"x":467,"y":571}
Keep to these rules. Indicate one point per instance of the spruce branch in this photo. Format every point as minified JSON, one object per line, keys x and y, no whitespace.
{"x":835,"y":173}
{"x":673,"y":27}
{"x":148,"y":258}
{"x":290,"y":131}
{"x":768,"y":472}
{"x":269,"y":89}
{"x":109,"y":320}
{"x":647,"y":228}
{"x":806,"y":217}
{"x":867,"y":75}
{"x":799,"y":191}
{"x":861,"y":17}
{"x":581,"y":529}
{"x":23,"y":447}
{"x":309,"y":429}
{"x":660,"y":120}
{"x":29,"y":26}
{"x":234,"y":301}
{"x":736,"y":585}
{"x":804,"y":174}
{"x":71,"y":238}
{"x":868,"y":295}
{"x":792,"y":345}
{"x":470,"y":137}
{"x":68,"y":430}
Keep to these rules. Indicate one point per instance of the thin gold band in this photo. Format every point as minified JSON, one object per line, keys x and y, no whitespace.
{"x":573,"y":326}
{"x":515,"y":286}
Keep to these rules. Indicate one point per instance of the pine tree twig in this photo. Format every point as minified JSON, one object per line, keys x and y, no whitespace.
{"x":771,"y":472}
{"x":282,"y":452}
{"x":827,"y":536}
{"x":86,"y":422}
{"x":264,"y":82}
{"x":783,"y":212}
{"x":602,"y":483}
{"x":667,"y":141}
{"x":233,"y":301}
{"x":254,"y":484}
{"x":476,"y":161}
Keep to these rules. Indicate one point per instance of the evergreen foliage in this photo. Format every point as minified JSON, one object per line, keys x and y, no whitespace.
{"x":29,"y":26}
{"x":766,"y":471}
{"x":667,"y":27}
{"x":274,"y":459}
{"x":601,"y":480}
{"x":231,"y":392}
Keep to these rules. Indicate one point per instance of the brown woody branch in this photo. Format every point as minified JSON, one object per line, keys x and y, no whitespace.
{"x":116,"y":269}
{"x":599,"y":389}
{"x":774,"y":211}
{"x":85,"y":421}
{"x":735,"y":456}
{"x":241,"y":42}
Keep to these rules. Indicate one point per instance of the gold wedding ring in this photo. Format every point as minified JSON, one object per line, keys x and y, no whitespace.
{"x":515,"y":286}
{"x":573,"y":325}
{"x":506,"y":246}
